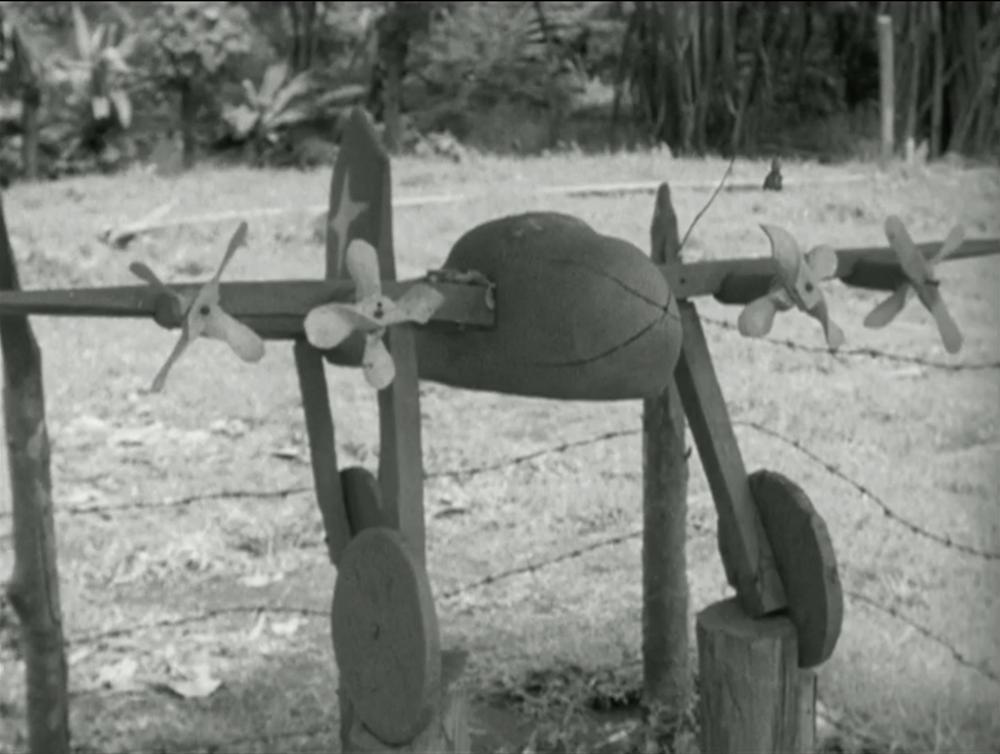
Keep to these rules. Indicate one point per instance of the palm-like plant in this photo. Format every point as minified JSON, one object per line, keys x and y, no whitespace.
{"x":98,"y":68}
{"x":278,"y":101}
{"x":281,"y":101}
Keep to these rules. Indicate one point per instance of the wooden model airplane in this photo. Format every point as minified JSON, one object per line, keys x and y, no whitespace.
{"x":538,"y":304}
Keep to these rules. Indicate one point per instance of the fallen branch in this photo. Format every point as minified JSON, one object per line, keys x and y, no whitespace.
{"x":155,"y":221}
{"x":120,"y":237}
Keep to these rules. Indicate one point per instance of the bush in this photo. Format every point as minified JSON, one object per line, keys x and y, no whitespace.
{"x":188,"y":48}
{"x":282,"y":102}
{"x":479,"y":55}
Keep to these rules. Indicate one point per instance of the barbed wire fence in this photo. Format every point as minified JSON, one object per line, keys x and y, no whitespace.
{"x":843,"y":354}
{"x":889,"y":512}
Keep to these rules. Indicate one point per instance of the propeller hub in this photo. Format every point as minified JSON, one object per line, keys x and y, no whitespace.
{"x":168,"y":313}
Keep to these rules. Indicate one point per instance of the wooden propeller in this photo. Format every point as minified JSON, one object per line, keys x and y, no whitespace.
{"x":329,"y":325}
{"x":205,"y":317}
{"x":796,"y":286}
{"x":920,"y":279}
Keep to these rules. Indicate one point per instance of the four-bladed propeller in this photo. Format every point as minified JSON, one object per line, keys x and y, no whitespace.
{"x":920,"y":279}
{"x":205,"y":317}
{"x":329,"y":325}
{"x":796,"y":285}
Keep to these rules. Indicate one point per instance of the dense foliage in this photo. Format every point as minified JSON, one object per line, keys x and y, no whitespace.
{"x":89,"y":85}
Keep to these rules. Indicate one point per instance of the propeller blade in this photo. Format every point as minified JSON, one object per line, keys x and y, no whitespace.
{"x":952,"y":242}
{"x":161,"y":377}
{"x":144,"y":273}
{"x":834,"y":335}
{"x":910,"y":259}
{"x":329,"y":325}
{"x":416,"y":305}
{"x":239,"y":239}
{"x":377,"y":362}
{"x":886,"y":311}
{"x":757,"y":317}
{"x":221,"y":325}
{"x":362,"y":266}
{"x":950,"y":335}
{"x":785,"y":251}
{"x":823,"y":261}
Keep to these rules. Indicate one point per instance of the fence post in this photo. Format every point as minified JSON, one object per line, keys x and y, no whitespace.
{"x":666,"y":665}
{"x":33,"y":589}
{"x":887,"y":86}
{"x":754,"y":697}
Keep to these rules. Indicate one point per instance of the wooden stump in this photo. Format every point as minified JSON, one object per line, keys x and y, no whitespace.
{"x":754,"y":696}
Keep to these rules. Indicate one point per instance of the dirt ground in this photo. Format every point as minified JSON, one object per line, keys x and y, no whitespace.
{"x":195,"y":585}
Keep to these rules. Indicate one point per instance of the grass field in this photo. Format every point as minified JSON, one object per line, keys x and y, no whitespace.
{"x":543,"y":644}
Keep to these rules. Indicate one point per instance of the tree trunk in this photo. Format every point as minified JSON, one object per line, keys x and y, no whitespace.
{"x":31,"y":100}
{"x":293,"y":13}
{"x":916,"y":52}
{"x":303,"y":21}
{"x":33,"y":589}
{"x":308,"y":46}
{"x":937,"y":95}
{"x":887,"y":87}
{"x":392,"y":110}
{"x":189,"y":109}
{"x":394,"y":33}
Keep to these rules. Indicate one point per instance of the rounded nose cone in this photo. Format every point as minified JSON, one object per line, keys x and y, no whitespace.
{"x":580,"y":316}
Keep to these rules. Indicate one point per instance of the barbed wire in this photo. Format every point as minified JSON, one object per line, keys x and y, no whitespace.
{"x":959,"y":657}
{"x":864,"y":490}
{"x":532,"y":567}
{"x":470,"y":471}
{"x":207,"y":615}
{"x":697,"y":525}
{"x":871,"y":353}
{"x":235,"y":494}
{"x":887,"y":511}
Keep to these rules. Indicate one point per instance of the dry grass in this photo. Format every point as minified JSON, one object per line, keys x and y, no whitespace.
{"x":925,"y":440}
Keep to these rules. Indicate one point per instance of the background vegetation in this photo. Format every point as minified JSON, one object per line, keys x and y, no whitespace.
{"x":98,"y":85}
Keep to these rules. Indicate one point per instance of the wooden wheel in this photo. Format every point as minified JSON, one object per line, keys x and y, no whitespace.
{"x":385,"y":635}
{"x":805,"y":560}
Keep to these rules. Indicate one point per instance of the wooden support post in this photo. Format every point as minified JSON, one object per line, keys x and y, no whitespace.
{"x":322,"y":447}
{"x":33,"y":589}
{"x":666,"y":668}
{"x":887,"y":86}
{"x":392,"y":659}
{"x":746,"y":554}
{"x":754,"y":697}
{"x":361,"y":207}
